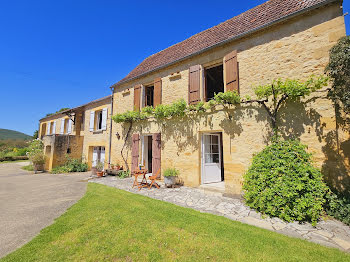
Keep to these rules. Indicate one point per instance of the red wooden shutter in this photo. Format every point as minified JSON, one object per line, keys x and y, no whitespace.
{"x":231,"y":71}
{"x":194,"y":85}
{"x":157,"y":95}
{"x":135,"y":152}
{"x":156,"y":153}
{"x":137,"y":94}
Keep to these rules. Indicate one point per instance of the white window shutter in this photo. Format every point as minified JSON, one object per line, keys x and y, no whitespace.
{"x":62,"y":126}
{"x":48,"y":128}
{"x":94,"y":157}
{"x":54,"y":128}
{"x":69,"y":126}
{"x":104,"y":119}
{"x":92,"y":120}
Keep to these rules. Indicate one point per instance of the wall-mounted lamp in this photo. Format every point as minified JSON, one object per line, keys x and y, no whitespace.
{"x":118,"y":136}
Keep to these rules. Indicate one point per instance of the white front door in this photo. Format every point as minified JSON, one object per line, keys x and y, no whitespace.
{"x":211,"y":158}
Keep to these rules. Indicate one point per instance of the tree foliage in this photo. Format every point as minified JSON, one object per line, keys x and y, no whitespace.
{"x":338,"y":70}
{"x":59,"y":111}
{"x":36,"y":134}
{"x":282,"y":182}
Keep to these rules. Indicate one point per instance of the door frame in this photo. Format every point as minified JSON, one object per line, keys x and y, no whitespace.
{"x":202,"y":155}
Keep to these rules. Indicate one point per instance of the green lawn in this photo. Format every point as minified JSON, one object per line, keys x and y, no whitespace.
{"x":28,"y":167}
{"x":112,"y":225}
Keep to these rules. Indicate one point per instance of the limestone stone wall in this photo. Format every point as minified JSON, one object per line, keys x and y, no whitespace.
{"x":294,"y":49}
{"x":57,"y":147}
{"x":96,"y":138}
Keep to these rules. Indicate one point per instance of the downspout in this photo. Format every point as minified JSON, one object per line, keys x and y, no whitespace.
{"x":110,"y":130}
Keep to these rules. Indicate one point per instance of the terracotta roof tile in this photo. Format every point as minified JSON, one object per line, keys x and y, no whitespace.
{"x":253,"y":19}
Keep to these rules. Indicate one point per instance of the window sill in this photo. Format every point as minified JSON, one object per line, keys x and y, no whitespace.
{"x":98,"y":131}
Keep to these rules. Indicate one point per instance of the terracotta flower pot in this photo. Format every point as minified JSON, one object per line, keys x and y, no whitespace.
{"x":99,"y":173}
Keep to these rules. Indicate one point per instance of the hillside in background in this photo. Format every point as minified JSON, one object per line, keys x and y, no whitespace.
{"x":7,"y":134}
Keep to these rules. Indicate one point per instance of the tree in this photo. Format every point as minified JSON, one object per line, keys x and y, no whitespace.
{"x":338,"y":70}
{"x":59,"y":111}
{"x":272,"y":96}
{"x":36,"y":134}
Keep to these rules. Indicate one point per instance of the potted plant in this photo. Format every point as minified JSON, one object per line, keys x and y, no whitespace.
{"x":99,"y":169}
{"x":36,"y":155}
{"x":170,"y":175}
{"x":117,"y":166}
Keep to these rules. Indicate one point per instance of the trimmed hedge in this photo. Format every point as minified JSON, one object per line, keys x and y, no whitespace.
{"x":13,"y":158}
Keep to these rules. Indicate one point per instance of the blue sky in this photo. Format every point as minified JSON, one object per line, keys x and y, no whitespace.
{"x":56,"y":54}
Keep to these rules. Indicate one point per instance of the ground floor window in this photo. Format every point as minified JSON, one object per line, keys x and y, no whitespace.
{"x":98,"y":155}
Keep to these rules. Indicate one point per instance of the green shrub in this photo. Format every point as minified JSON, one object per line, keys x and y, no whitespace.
{"x":71,"y":165}
{"x":282,"y":182}
{"x":124,"y":174}
{"x":171,"y":172}
{"x":22,"y":151}
{"x":229,"y":97}
{"x":338,"y":206}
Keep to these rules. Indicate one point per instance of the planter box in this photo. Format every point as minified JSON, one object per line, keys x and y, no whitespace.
{"x":169,"y":181}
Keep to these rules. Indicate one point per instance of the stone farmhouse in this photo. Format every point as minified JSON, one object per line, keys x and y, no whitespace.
{"x":83,"y":131}
{"x":278,"y":39}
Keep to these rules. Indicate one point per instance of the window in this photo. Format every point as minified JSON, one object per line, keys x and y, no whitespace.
{"x":43,"y":130}
{"x":51,"y":128}
{"x":98,"y":115}
{"x":98,"y":155}
{"x":149,"y":96}
{"x":66,"y":126}
{"x":82,"y":122}
{"x":214,"y":81}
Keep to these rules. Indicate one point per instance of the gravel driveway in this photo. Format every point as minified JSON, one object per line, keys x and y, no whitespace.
{"x":29,"y":203}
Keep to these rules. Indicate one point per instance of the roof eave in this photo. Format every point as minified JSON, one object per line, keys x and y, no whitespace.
{"x":280,"y":20}
{"x":76,"y":108}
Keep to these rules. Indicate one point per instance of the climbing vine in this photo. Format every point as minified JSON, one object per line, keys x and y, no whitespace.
{"x":178,"y":108}
{"x":271,"y":97}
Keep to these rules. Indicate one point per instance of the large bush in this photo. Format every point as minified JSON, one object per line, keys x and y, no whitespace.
{"x":282,"y":182}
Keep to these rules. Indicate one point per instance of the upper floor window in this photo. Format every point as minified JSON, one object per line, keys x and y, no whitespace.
{"x":98,"y":116}
{"x":51,"y":128}
{"x":214,"y":81}
{"x":82,"y":126}
{"x":65,"y":126}
{"x":98,"y":120}
{"x":149,"y":96}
